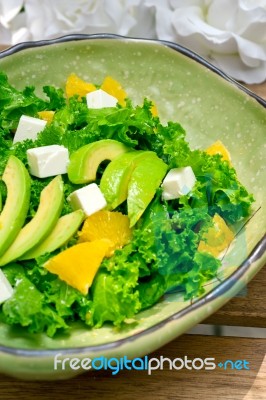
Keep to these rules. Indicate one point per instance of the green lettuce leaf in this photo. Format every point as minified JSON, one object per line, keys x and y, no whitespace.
{"x":27,"y":306}
{"x":14,"y":103}
{"x":41,"y":301}
{"x":113,"y":301}
{"x":218,"y":187}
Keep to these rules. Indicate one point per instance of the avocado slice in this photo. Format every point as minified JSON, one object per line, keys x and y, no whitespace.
{"x":14,"y":212}
{"x":63,"y":231}
{"x":48,"y":212}
{"x":144,"y":181}
{"x":85,"y":161}
{"x":116,"y":176}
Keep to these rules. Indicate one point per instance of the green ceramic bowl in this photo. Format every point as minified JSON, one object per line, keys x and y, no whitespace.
{"x":210,"y":106}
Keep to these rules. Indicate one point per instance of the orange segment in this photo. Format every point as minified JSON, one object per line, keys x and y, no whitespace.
{"x":46,"y":115}
{"x":77,"y":86}
{"x":219,"y":148}
{"x":217,"y":238}
{"x":114,"y":88}
{"x":110,"y":225}
{"x":154,"y":110}
{"x":78,"y":265}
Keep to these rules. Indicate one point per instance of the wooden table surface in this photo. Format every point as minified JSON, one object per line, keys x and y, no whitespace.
{"x":218,"y":384}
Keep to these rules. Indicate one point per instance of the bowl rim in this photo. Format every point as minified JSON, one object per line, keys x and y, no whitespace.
{"x":223,"y":286}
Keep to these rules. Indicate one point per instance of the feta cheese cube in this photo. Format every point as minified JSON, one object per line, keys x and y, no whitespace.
{"x":89,"y":199}
{"x":6,"y":290}
{"x":28,"y":128}
{"x":100,"y":99}
{"x":178,"y":182}
{"x":48,"y":160}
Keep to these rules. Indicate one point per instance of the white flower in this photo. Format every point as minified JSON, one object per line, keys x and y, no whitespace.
{"x":151,"y":18}
{"x":9,"y":9}
{"x":50,"y":18}
{"x":230,"y":33}
{"x":12,"y":23}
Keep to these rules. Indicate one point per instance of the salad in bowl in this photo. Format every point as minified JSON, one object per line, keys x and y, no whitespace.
{"x":105,"y":209}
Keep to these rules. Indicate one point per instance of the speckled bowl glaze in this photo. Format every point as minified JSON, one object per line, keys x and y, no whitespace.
{"x":210,"y":106}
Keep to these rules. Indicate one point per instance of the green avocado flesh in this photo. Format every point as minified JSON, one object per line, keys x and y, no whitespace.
{"x":85,"y":161}
{"x":63,"y":231}
{"x":46,"y":217}
{"x":144,"y":181}
{"x":116,"y":176}
{"x":12,"y":218}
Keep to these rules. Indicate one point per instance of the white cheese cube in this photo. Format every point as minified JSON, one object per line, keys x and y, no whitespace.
{"x":100,"y":99}
{"x":48,"y":160}
{"x":6,"y":290}
{"x":89,"y":199}
{"x":28,"y":128}
{"x":178,"y":182}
